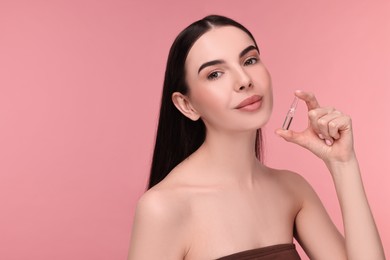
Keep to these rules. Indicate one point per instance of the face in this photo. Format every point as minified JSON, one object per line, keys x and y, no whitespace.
{"x":229,"y":86}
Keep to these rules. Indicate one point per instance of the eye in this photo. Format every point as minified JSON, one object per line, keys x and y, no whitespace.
{"x":214,"y":75}
{"x":250,"y":61}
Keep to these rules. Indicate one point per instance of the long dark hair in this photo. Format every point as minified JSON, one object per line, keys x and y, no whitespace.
{"x":177,"y":136}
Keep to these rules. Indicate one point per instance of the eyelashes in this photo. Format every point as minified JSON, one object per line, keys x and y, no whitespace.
{"x":217,"y":74}
{"x":214,"y":75}
{"x":251,"y":61}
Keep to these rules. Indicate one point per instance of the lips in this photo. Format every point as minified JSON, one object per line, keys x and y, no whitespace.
{"x":249,"y":101}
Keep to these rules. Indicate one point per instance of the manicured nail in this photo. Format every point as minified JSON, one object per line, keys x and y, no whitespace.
{"x":328,"y":142}
{"x":321,"y":136}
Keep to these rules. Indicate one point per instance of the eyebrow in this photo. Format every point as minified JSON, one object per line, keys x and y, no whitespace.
{"x":215,"y":62}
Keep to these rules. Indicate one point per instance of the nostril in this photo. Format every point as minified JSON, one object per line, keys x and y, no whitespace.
{"x":246,"y":86}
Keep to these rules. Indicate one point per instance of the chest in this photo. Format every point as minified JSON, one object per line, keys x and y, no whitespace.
{"x":236,"y":221}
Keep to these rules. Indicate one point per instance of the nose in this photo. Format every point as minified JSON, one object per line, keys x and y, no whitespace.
{"x":244,"y":81}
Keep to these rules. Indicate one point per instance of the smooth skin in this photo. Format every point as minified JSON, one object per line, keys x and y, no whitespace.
{"x":221,"y":200}
{"x":329,"y":136}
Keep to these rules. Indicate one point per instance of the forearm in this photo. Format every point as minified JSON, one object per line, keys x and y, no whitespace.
{"x":329,"y":136}
{"x":361,"y":235}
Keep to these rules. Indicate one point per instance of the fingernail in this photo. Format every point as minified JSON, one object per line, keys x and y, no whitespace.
{"x":328,"y":142}
{"x":321,"y":136}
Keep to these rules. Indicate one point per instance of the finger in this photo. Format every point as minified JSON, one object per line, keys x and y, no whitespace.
{"x":314,"y":119}
{"x":298,"y":138}
{"x":289,"y":136}
{"x":325,"y":123}
{"x":309,"y":99}
{"x":339,"y":124}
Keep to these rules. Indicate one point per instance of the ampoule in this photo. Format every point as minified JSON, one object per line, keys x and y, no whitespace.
{"x":290,"y":114}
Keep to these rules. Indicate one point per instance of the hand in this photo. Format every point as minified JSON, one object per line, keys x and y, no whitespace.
{"x":329,"y":132}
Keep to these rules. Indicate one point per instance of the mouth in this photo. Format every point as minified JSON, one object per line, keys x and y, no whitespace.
{"x":250,"y":104}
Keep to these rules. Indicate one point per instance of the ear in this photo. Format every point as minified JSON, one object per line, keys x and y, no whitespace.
{"x":184,"y":106}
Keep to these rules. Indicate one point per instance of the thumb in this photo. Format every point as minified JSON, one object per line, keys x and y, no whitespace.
{"x":290,"y":136}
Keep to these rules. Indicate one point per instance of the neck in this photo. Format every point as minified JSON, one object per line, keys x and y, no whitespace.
{"x":230,"y":155}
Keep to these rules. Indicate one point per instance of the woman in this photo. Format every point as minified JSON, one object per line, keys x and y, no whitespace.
{"x":209,"y":194}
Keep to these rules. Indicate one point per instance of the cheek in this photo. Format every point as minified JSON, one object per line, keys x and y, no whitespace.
{"x":207,"y":102}
{"x":210,"y":97}
{"x":262,"y":77}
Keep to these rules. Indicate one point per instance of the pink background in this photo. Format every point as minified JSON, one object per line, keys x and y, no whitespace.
{"x":80,"y":85}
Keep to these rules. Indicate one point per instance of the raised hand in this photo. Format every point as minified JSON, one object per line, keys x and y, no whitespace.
{"x":328,"y":134}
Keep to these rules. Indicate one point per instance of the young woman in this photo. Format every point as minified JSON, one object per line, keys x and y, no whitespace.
{"x":209,"y":194}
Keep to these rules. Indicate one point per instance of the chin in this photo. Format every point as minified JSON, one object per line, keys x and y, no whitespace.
{"x":263,"y":117}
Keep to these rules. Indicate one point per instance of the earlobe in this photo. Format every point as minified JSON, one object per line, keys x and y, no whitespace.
{"x":182,"y":103}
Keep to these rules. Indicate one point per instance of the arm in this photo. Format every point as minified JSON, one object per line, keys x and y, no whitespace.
{"x":329,"y":136}
{"x":314,"y":230}
{"x":362,"y":237}
{"x":158,"y":229}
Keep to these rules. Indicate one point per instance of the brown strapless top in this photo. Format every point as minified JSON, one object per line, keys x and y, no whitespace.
{"x":275,"y":252}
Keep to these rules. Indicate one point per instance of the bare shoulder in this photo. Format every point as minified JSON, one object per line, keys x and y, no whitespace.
{"x":164,"y":202}
{"x":292,"y":181}
{"x":312,"y":219}
{"x":161,"y":222}
{"x":297,"y":186}
{"x":169,"y":198}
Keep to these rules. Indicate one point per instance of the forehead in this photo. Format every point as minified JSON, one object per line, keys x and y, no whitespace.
{"x":218,"y":43}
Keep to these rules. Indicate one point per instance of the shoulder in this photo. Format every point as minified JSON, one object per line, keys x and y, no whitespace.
{"x":296,"y":187}
{"x":162,"y":202}
{"x":160,"y":216}
{"x":312,"y":219}
{"x":292,"y":181}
